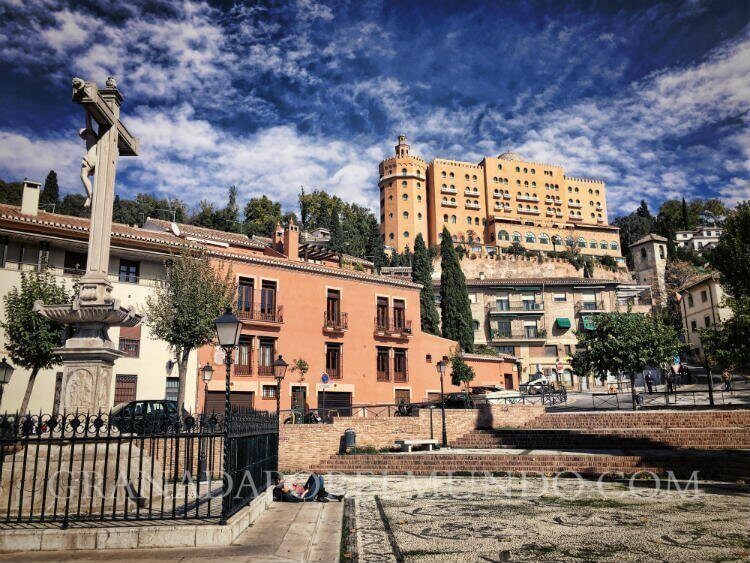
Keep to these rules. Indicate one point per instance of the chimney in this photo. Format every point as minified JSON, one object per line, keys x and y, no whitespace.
{"x":291,"y":241}
{"x":278,"y":238}
{"x":30,"y":198}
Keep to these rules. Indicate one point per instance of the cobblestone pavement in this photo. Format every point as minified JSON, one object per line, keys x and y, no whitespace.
{"x":509,"y":519}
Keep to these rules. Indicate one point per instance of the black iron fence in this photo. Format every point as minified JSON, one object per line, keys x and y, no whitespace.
{"x":661,"y":399}
{"x":89,"y":468}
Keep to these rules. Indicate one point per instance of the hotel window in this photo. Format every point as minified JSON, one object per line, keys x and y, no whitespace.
{"x":406,"y":234}
{"x":333,"y":360}
{"x":403,"y":184}
{"x":530,"y":329}
{"x":704,"y":296}
{"x":405,"y":197}
{"x":268,"y":299}
{"x":502,"y":302}
{"x":503,"y":329}
{"x":244,"y":356}
{"x":269,"y":392}
{"x":245,"y":289}
{"x":399,"y":313}
{"x":453,"y":218}
{"x":383,"y":373}
{"x":405,"y":214}
{"x":445,"y":218}
{"x":172,"y":389}
{"x":75,"y":263}
{"x":266,"y":350}
{"x":550,"y":351}
{"x":510,"y":350}
{"x":333,"y":308}
{"x":129,"y":271}
{"x":530,"y":238}
{"x":419,"y":216}
{"x":559,"y":297}
{"x":130,"y":341}
{"x":381,"y":313}
{"x":400,"y":371}
{"x":516,"y":237}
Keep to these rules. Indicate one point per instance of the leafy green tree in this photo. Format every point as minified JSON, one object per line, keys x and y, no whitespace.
{"x":634,"y":226}
{"x":230,"y":215}
{"x":732,"y":253}
{"x":455,"y":307}
{"x":375,"y":250}
{"x":421,"y":272}
{"x":72,"y":204}
{"x":207,"y":216}
{"x":625,"y":343}
{"x":10,"y":192}
{"x":51,"y":192}
{"x":338,"y":242}
{"x":182,"y":310}
{"x":461,"y":372}
{"x":31,"y":339}
{"x":135,"y":211}
{"x":261,"y":216}
{"x":517,"y":249}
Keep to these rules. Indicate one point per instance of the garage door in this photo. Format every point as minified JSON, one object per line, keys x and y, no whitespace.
{"x":340,"y":402}
{"x":238,"y":400}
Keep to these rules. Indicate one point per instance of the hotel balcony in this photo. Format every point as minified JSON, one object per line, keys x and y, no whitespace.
{"x":530,"y":211}
{"x":474,"y":206}
{"x":600,"y":220}
{"x":447,"y":190}
{"x":335,"y":322}
{"x":445,"y":203}
{"x":574,"y":205}
{"x":392,"y":328}
{"x":261,"y":315}
{"x":401,"y":376}
{"x":497,"y":195}
{"x":506,"y":196}
{"x":590,"y":307}
{"x":517,"y":307}
{"x":575,"y":218}
{"x":243,"y":369}
{"x":521,"y":333}
{"x":531,"y":199}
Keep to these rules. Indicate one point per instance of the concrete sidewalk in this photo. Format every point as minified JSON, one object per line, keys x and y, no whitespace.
{"x":285,"y":532}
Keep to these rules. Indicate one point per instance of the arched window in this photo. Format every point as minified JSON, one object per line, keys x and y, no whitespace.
{"x":453,"y":200}
{"x":473,"y":177}
{"x":475,"y":324}
{"x":544,"y":238}
{"x":405,"y":197}
{"x":518,"y":168}
{"x":582,"y":242}
{"x":452,"y":175}
{"x":592,"y":244}
{"x":468,"y":220}
{"x":390,"y":236}
{"x":406,"y":234}
{"x":453,"y":219}
{"x":445,"y":218}
{"x":569,"y":241}
{"x":419,"y":198}
{"x":499,"y":166}
{"x":466,"y":177}
{"x":603,"y":244}
{"x":445,"y":200}
{"x":406,"y":215}
{"x":443,"y":174}
{"x":643,"y":253}
{"x":502,"y":235}
{"x":614,"y":246}
{"x":530,"y":237}
{"x":533,"y":171}
{"x":476,"y":220}
{"x":403,"y":171}
{"x":516,"y":236}
{"x":419,"y":216}
{"x":556,"y":239}
{"x":403,"y":184}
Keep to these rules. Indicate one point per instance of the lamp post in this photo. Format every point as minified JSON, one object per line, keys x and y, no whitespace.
{"x":279,"y":370}
{"x":6,"y":372}
{"x":441,"y":365}
{"x":228,"y":328}
{"x":207,"y":373}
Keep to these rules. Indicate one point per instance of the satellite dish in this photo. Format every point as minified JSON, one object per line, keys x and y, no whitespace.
{"x":175,"y":229}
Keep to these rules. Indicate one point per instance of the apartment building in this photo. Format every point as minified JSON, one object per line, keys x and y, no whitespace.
{"x":536,"y":319}
{"x":496,"y":202}
{"x":700,"y":238}
{"x":359,"y":332}
{"x":702,"y":306}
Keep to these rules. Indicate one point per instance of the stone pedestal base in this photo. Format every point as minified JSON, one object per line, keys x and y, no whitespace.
{"x":88,"y":382}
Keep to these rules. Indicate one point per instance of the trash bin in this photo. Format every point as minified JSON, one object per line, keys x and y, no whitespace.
{"x":350,"y":440}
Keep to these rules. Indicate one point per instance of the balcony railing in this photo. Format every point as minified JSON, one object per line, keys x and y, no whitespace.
{"x":130,"y":347}
{"x":445,"y":190}
{"x":393,"y":327}
{"x":472,"y":205}
{"x":243,"y":369}
{"x":265,"y":370}
{"x":448,"y":203}
{"x":574,"y":205}
{"x":576,"y":218}
{"x":530,"y":211}
{"x":589,"y":306}
{"x":401,"y":376}
{"x":520,"y":333}
{"x":517,"y":307}
{"x":335,"y":321}
{"x":384,"y":376}
{"x":527,"y":198}
{"x":261,"y":314}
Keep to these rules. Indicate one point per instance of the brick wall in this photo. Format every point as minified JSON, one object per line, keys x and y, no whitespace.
{"x":303,"y":446}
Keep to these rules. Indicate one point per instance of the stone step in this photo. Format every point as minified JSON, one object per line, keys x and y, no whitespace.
{"x":723,"y":467}
{"x":606,"y":438}
{"x":640,"y":419}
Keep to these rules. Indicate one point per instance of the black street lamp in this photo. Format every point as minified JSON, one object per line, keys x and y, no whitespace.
{"x":228,"y":328}
{"x":441,"y":365}
{"x":207,"y":372}
{"x":279,"y":371}
{"x":6,"y":372}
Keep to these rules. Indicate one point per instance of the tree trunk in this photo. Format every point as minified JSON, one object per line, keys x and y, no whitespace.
{"x":632,"y":390}
{"x":182,"y":364}
{"x":29,"y":388}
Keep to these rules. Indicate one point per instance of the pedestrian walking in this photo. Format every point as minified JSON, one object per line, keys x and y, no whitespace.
{"x":670,"y":382}
{"x":726,"y":378}
{"x":650,"y":383}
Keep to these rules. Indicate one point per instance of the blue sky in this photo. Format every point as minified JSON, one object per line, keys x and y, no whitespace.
{"x":653,"y":98}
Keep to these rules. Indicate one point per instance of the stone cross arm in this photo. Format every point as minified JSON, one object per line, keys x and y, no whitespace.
{"x":90,"y":97}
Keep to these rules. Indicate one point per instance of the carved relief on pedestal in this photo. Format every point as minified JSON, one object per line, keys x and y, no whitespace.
{"x":79,"y":387}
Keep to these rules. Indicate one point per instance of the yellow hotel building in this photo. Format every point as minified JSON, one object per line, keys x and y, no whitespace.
{"x":494,"y":203}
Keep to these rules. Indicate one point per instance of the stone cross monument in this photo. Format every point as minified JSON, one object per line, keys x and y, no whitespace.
{"x":88,"y":353}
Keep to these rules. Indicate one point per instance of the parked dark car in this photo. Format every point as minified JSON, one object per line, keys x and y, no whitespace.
{"x":137,"y":417}
{"x":452,"y":401}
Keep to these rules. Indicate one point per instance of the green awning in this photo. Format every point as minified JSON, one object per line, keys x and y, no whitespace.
{"x":588,"y":323}
{"x":562,"y":322}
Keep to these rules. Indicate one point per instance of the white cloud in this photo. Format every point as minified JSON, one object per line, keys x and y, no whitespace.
{"x":22,"y":156}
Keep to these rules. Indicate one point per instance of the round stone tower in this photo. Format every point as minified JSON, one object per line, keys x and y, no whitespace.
{"x":403,"y":198}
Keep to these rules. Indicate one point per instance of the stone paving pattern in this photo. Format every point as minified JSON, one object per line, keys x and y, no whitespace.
{"x":464,"y":519}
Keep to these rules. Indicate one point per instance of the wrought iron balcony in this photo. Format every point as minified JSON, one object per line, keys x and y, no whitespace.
{"x":390,"y":327}
{"x":590,"y":306}
{"x":515,"y":307}
{"x":335,"y":322}
{"x":447,"y":190}
{"x":518,"y":333}
{"x":401,"y":376}
{"x":250,"y":315}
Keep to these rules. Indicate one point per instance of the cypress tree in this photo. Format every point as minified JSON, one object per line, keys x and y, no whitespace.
{"x":454,"y":297}
{"x":421,"y":272}
{"x":337,"y":232}
{"x":375,"y":250}
{"x":685,"y":220}
{"x":51,"y":192}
